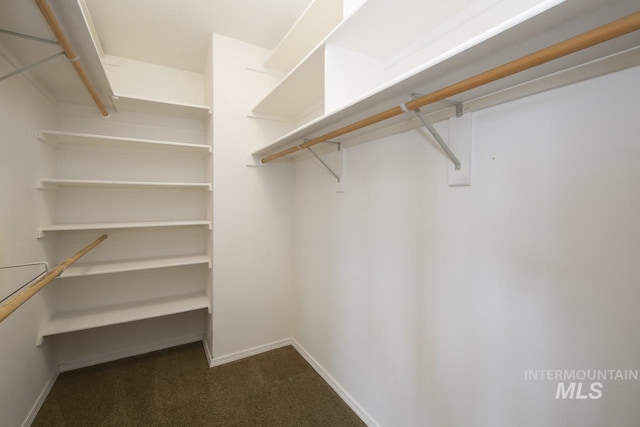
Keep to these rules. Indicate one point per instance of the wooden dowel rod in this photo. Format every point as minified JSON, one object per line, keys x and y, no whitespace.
{"x":23,"y":296}
{"x":590,"y":38}
{"x":51,"y":19}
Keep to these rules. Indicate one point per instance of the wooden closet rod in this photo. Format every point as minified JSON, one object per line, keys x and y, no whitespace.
{"x":51,"y":19}
{"x":590,"y":38}
{"x":23,"y":296}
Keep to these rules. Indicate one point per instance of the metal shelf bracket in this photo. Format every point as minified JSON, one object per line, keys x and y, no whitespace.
{"x":35,"y":64}
{"x":460,"y":135}
{"x":459,"y":106}
{"x":29,"y":37}
{"x":322,"y":162}
{"x":45,"y":266}
{"x":438,"y":139}
{"x":28,"y":67}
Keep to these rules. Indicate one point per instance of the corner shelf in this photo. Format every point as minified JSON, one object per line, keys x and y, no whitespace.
{"x":136,"y":104}
{"x":121,"y":266}
{"x":83,"y":319}
{"x":55,"y":184}
{"x":120,"y":225}
{"x":70,"y":139}
{"x":534,"y":29}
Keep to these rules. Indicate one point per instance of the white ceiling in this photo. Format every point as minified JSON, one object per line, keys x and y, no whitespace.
{"x":177,"y":33}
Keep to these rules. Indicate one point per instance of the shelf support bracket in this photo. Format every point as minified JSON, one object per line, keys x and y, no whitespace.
{"x":322,"y":162}
{"x":438,"y":139}
{"x":45,"y":266}
{"x":30,"y":37}
{"x":456,"y":104}
{"x":332,"y":142}
{"x":337,"y":160}
{"x":28,"y":67}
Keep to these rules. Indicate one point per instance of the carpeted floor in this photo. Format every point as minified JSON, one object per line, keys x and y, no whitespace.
{"x":176,"y":387}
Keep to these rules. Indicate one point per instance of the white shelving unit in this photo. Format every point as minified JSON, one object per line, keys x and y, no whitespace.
{"x":122,"y":186}
{"x":124,"y":102}
{"x":380,"y":54}
{"x":77,"y":320}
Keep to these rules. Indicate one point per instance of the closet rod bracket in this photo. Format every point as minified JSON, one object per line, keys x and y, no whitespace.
{"x":459,"y":106}
{"x":456,"y":104}
{"x":332,"y":142}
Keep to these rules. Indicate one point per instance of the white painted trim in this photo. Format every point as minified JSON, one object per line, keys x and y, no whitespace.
{"x":129,"y":352}
{"x":364,"y":415}
{"x":208,"y":352}
{"x":221,"y":360}
{"x":40,"y":400}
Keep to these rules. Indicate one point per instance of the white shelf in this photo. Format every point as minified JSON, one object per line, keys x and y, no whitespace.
{"x":376,"y":38}
{"x":531,"y":31}
{"x":71,"y":139}
{"x":79,"y":320}
{"x":54,"y":184}
{"x":124,"y":102}
{"x":318,"y":20}
{"x":107,"y":267}
{"x":299,"y":93}
{"x":301,"y":52}
{"x":121,"y":225}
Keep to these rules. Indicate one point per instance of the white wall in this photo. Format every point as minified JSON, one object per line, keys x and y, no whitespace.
{"x":427,"y":303}
{"x":251,"y":211}
{"x":25,"y":370}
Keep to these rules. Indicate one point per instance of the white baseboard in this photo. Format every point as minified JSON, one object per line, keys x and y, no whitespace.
{"x":128,"y":352}
{"x":364,"y":416}
{"x":208,"y":352}
{"x":40,"y":401}
{"x":221,"y":360}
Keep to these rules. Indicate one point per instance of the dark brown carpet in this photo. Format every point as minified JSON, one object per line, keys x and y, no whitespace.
{"x":176,"y":387}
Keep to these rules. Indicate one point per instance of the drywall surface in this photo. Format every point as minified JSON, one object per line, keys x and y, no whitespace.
{"x":428,"y":304}
{"x":25,"y":370}
{"x":252,"y":271}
